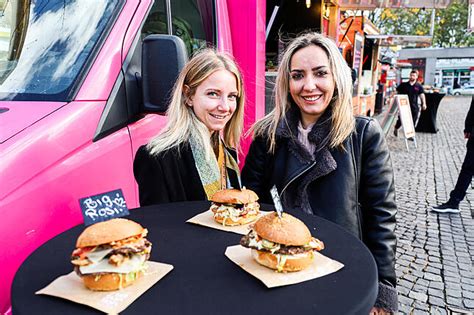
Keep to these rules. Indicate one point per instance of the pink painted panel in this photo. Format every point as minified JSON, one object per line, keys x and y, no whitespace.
{"x":134,"y":26}
{"x":21,"y":115}
{"x":247,"y":21}
{"x":39,"y":147}
{"x":64,"y":165}
{"x":101,"y":78}
{"x":224,"y":36}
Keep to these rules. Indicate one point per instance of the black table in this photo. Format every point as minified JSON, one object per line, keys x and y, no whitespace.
{"x":427,"y":120}
{"x":203,"y":280}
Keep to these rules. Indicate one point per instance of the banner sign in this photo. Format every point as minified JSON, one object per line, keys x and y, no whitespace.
{"x":103,"y":207}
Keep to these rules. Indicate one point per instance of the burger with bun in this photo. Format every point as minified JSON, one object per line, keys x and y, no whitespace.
{"x":284,"y":244}
{"x":111,"y":255}
{"x":235,"y":207}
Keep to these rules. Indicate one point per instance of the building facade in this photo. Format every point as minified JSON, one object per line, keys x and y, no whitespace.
{"x":442,"y":67}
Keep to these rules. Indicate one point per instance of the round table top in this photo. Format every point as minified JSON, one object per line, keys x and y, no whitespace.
{"x":204,"y":280}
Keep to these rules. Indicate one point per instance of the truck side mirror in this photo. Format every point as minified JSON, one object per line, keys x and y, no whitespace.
{"x":163,"y":57}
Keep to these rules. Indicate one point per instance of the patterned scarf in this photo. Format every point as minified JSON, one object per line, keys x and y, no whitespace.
{"x":213,"y":171}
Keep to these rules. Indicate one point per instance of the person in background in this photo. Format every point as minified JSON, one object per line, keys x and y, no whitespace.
{"x":414,"y":90}
{"x":322,"y":159}
{"x":467,"y":169}
{"x":196,"y":154}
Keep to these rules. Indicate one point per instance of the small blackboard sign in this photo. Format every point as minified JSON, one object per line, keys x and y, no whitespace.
{"x":103,"y":207}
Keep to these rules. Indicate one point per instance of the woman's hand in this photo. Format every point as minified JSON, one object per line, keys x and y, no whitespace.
{"x":378,"y":311}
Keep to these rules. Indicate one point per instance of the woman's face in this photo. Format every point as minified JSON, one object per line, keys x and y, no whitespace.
{"x":215,"y":100}
{"x":311,"y":82}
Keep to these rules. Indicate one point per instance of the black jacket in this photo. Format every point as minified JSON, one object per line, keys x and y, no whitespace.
{"x":356,"y":192}
{"x":171,"y":176}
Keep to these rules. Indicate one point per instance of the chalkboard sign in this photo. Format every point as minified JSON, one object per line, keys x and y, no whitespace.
{"x":103,"y":207}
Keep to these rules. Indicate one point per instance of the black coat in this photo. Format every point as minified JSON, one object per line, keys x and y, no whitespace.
{"x":358,"y":193}
{"x":171,"y":176}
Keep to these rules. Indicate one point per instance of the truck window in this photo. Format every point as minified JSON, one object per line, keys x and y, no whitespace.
{"x":46,"y":45}
{"x":191,"y":20}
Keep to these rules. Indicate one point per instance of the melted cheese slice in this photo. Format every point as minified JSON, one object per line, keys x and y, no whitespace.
{"x":97,"y":255}
{"x":133,"y":264}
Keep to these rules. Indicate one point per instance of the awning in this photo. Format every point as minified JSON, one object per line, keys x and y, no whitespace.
{"x":407,"y":41}
{"x":390,"y":4}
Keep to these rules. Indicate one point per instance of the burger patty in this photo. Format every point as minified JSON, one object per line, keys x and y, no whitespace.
{"x":125,"y":251}
{"x":131,"y":249}
{"x":283,"y":250}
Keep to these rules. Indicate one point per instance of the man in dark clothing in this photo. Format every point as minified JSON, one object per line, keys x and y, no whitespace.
{"x":467,"y":169}
{"x":414,"y":90}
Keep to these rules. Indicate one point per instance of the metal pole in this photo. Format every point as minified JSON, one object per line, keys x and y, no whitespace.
{"x":168,"y":17}
{"x":433,"y":13}
{"x":270,"y":23}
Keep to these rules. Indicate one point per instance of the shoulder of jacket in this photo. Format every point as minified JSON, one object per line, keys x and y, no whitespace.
{"x":367,"y":126}
{"x":362,"y":122}
{"x":182,"y":148}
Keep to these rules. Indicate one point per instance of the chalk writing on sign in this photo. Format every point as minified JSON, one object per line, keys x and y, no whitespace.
{"x":103,"y":207}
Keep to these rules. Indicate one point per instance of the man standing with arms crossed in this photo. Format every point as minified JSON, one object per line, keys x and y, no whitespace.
{"x":414,"y":90}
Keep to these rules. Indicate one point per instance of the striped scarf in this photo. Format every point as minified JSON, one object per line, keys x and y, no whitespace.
{"x":213,"y":171}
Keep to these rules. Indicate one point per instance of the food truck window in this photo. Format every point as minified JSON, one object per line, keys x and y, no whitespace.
{"x":192,"y":20}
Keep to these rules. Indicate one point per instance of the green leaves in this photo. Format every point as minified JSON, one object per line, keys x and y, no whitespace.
{"x":450,"y":29}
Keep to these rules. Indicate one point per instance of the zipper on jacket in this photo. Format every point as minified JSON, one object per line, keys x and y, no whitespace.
{"x":294,"y":178}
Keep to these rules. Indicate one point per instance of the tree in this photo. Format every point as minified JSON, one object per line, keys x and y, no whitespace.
{"x":451,"y":26}
{"x":450,"y":29}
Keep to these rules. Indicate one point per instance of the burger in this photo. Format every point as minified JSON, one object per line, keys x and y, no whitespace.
{"x":284,"y":244}
{"x":234,"y":206}
{"x":111,"y":255}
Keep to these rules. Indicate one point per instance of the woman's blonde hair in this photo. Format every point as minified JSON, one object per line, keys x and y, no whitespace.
{"x":342,"y":117}
{"x":182,"y":122}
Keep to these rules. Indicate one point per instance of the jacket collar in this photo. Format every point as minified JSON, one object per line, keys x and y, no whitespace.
{"x":298,"y":160}
{"x":319,"y":134}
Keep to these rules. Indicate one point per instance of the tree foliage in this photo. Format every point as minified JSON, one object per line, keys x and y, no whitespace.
{"x":450,"y":27}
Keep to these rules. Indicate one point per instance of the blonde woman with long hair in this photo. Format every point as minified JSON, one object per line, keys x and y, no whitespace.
{"x":322,"y":159}
{"x":196,"y":153}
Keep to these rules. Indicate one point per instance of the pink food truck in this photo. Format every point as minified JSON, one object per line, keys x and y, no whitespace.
{"x":84,"y":83}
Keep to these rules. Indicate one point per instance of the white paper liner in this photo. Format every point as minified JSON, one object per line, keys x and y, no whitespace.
{"x":321,"y":266}
{"x":207,"y":219}
{"x":71,"y":287}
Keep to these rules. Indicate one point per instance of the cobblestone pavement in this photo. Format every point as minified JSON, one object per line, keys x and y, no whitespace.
{"x":435,"y":252}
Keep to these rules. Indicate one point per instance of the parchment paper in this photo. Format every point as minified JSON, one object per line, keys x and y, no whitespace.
{"x":321,"y":266}
{"x":71,"y":287}
{"x":207,"y":219}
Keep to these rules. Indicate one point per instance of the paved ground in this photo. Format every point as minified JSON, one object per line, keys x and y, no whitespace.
{"x":435,"y":252}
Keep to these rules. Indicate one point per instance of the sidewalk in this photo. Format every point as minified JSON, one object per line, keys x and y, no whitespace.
{"x":435,"y":252}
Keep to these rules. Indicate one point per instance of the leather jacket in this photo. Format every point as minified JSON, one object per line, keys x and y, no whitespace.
{"x":358,"y":193}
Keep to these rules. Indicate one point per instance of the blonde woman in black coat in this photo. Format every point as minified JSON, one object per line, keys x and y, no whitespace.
{"x":196,"y":153}
{"x":322,"y":159}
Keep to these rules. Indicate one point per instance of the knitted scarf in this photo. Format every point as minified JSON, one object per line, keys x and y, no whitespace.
{"x":213,"y":171}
